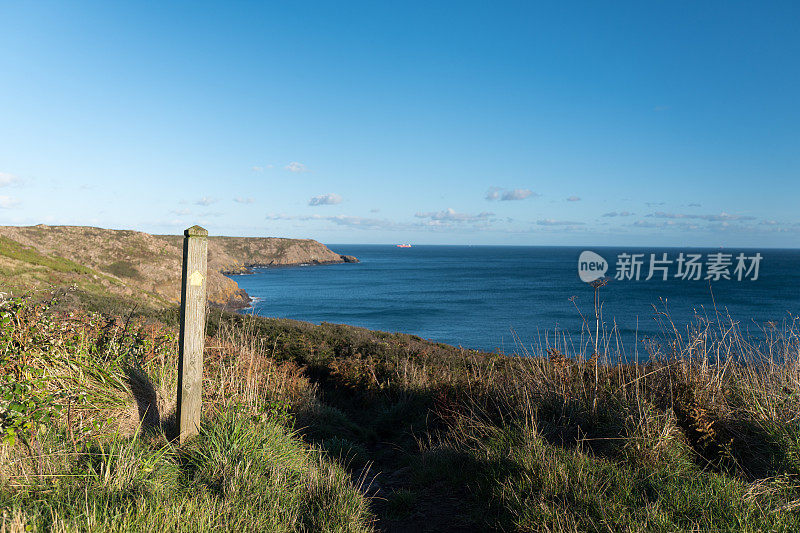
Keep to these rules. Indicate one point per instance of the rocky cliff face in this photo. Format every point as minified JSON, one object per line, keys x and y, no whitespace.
{"x":238,"y":255}
{"x":132,"y":263}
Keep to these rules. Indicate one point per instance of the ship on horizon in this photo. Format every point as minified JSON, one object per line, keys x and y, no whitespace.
{"x":403,"y":245}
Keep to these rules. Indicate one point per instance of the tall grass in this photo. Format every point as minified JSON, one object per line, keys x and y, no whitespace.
{"x":330,"y":427}
{"x":104,"y":458}
{"x":700,"y":431}
{"x":703,"y":435}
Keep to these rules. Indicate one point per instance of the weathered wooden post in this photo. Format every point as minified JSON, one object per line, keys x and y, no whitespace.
{"x":193,"y":331}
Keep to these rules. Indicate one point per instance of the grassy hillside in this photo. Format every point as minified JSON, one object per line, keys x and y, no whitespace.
{"x":137,"y":265}
{"x":87,"y":421}
{"x":336,"y":428}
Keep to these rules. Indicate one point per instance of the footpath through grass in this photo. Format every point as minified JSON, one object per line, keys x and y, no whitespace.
{"x":336,"y":428}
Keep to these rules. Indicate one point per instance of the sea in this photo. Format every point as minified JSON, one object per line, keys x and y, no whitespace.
{"x":520,"y":299}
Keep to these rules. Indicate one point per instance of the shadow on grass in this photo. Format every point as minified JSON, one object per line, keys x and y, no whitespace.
{"x":144,"y":393}
{"x":377,"y":430}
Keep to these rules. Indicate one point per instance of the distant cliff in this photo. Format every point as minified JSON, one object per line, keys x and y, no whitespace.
{"x":238,"y":255}
{"x":136,"y":264}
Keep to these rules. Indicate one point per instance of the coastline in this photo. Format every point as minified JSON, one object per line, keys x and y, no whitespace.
{"x":241,"y":300}
{"x":247,"y":268}
{"x":498,"y":298}
{"x":142,"y":266}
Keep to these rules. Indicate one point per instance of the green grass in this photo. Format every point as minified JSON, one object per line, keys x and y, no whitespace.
{"x":26,"y":254}
{"x":76,"y":457}
{"x":314,"y":428}
{"x":526,"y":444}
{"x":526,"y":483}
{"x":237,"y":475}
{"x":401,"y":503}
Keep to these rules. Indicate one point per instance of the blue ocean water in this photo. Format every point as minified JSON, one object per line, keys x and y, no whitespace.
{"x":494,"y":297}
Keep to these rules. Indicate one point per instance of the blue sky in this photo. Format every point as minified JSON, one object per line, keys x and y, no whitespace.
{"x":588,"y":123}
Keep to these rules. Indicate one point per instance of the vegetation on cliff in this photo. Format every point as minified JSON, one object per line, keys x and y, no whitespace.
{"x":339,"y":428}
{"x":138,"y":265}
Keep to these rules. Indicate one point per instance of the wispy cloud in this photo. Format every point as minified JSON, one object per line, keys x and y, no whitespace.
{"x":516,"y":194}
{"x":257,"y":169}
{"x":7,"y":179}
{"x":6,"y":202}
{"x":711,"y":217}
{"x":552,"y":222}
{"x":181,"y":212}
{"x":375,"y":210}
{"x":778,"y":227}
{"x":341,"y":220}
{"x":438,"y":221}
{"x":205,"y":201}
{"x":646,"y":224}
{"x":451,"y":215}
{"x":573,"y":198}
{"x":617,"y":214}
{"x":506,"y":195}
{"x":655,"y":204}
{"x":240,"y":200}
{"x":672,"y":224}
{"x":294,"y":166}
{"x":325,"y":199}
{"x":695,"y":204}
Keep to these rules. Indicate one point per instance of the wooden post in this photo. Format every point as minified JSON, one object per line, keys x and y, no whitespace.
{"x":193,"y":331}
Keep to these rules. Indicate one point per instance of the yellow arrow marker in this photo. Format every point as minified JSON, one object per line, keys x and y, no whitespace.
{"x":196,"y":279}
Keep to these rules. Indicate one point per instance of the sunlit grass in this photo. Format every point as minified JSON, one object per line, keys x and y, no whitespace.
{"x":314,"y":428}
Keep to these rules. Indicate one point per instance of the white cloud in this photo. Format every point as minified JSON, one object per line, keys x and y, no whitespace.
{"x":294,"y":166}
{"x":645,"y":224}
{"x":6,"y":202}
{"x":573,"y":199}
{"x":257,"y":169}
{"x":712,"y":217}
{"x":617,"y":214}
{"x":450,"y":215}
{"x":361,"y":222}
{"x":342,"y":220}
{"x":181,"y":212}
{"x":505,"y":195}
{"x":552,"y":222}
{"x":205,"y":201}
{"x":325,"y":199}
{"x":7,"y":179}
{"x":240,"y":200}
{"x":435,"y":221}
{"x":685,"y":226}
{"x":516,"y":194}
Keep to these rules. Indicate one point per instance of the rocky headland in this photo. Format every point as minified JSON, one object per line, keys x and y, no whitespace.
{"x":137,"y":264}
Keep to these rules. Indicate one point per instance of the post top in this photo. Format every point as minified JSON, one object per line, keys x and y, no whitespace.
{"x":196,"y":231}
